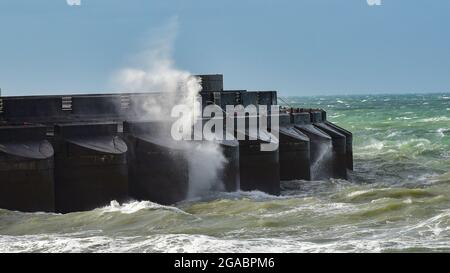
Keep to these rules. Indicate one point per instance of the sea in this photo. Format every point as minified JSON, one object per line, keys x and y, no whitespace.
{"x":397,"y":199}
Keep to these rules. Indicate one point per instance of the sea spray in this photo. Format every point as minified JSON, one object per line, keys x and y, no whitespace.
{"x":321,"y":167}
{"x":136,"y":206}
{"x":398,"y":200}
{"x":173,"y":87}
{"x":206,"y":162}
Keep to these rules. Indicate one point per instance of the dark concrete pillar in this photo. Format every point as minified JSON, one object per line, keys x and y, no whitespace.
{"x":26,"y":169}
{"x":229,"y":146}
{"x":320,"y":146}
{"x":348,"y":139}
{"x":159,"y":170}
{"x":294,"y":151}
{"x":260,"y":170}
{"x":338,"y":141}
{"x":348,"y":143}
{"x":230,"y":174}
{"x":339,"y":160}
{"x":91,"y":166}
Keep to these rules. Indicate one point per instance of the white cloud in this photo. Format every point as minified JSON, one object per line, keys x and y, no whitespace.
{"x":73,"y":2}
{"x":374,"y":2}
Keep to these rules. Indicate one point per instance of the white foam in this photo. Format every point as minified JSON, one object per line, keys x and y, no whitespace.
{"x":435,"y":119}
{"x":393,"y":134}
{"x":373,"y":145}
{"x":194,"y":243}
{"x":135,"y":206}
{"x":441,"y":131}
{"x":359,"y":193}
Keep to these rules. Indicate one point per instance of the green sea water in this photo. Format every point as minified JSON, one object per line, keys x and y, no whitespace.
{"x":397,"y":199}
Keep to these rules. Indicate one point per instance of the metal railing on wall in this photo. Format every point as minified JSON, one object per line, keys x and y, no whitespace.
{"x":238,"y":98}
{"x":66,"y":104}
{"x":69,"y":108}
{"x":125,"y":101}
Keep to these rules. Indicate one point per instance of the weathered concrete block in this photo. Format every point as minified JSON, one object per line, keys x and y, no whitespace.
{"x":26,"y":169}
{"x":211,"y":82}
{"x":91,"y":166}
{"x":159,"y":170}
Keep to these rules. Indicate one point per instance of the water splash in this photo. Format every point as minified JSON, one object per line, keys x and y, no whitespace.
{"x":157,"y":73}
{"x":136,"y":206}
{"x":322,"y":168}
{"x":206,"y":162}
{"x":398,"y":201}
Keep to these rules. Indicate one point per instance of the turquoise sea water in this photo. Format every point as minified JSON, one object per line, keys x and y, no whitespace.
{"x":396,"y":200}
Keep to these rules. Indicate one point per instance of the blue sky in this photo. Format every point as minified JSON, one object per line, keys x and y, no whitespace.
{"x":298,"y":47}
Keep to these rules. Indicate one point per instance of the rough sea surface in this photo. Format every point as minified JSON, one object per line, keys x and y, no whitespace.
{"x":397,"y":199}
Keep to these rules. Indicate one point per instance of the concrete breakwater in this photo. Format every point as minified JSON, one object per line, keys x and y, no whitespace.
{"x":78,"y":152}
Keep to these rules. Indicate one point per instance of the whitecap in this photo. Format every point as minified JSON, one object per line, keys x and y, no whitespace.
{"x":135,"y":206}
{"x":393,"y":134}
{"x":374,"y":145}
{"x":441,"y":131}
{"x":434,"y":119}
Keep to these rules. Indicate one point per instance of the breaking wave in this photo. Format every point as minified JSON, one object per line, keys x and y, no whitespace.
{"x":396,"y":200}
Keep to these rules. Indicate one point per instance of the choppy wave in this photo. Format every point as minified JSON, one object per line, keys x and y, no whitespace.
{"x":135,"y":206}
{"x":396,"y":200}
